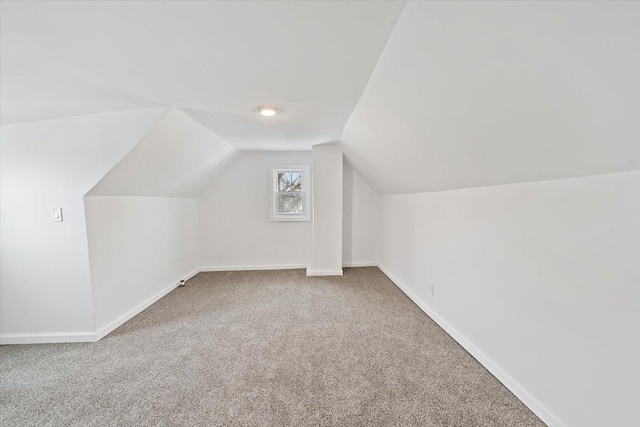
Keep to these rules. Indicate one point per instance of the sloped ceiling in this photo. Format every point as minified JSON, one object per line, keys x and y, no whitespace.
{"x":458,"y":94}
{"x":175,"y":159}
{"x":471,"y":94}
{"x":121,"y":131}
{"x":216,"y":60}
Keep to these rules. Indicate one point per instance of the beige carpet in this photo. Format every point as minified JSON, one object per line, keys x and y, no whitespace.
{"x":270,"y":348}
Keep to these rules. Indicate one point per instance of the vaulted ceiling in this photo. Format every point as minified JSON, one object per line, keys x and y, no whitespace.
{"x":426,"y":96}
{"x":176,"y":158}
{"x":216,"y":61}
{"x":470,"y":94}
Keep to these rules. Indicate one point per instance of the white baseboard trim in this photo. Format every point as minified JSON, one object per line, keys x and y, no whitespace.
{"x":537,"y":407}
{"x":47,"y":338}
{"x":324,"y":272}
{"x":113,"y":325}
{"x":253,"y":267}
{"x":280,"y":266}
{"x":190,"y":275}
{"x":360,"y":264}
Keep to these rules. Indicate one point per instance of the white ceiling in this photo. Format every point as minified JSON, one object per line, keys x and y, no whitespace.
{"x":471,"y":94}
{"x":463,"y":94}
{"x":176,"y":158}
{"x":217,"y":61}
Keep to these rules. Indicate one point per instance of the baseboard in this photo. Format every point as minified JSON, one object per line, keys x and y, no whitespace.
{"x":253,"y":267}
{"x":360,"y":264}
{"x":537,"y":407}
{"x":324,"y":272}
{"x":113,"y":325}
{"x":280,"y":266}
{"x":47,"y":338}
{"x":191,"y":274}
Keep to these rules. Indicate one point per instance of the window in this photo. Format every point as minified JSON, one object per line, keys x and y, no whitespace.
{"x":290,"y":193}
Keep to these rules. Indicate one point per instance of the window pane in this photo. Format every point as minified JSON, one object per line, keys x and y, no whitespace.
{"x":289,"y":181}
{"x":289,"y":203}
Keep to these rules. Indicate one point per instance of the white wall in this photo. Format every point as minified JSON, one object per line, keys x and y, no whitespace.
{"x":327,"y":170}
{"x":235,"y":230}
{"x":139,"y":248}
{"x":45,"y":288}
{"x":543,"y":278}
{"x":360,"y":221}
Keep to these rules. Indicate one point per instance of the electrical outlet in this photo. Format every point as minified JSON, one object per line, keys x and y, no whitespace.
{"x":432,"y":288}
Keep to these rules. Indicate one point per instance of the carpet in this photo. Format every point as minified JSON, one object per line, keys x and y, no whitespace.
{"x":262,"y":348}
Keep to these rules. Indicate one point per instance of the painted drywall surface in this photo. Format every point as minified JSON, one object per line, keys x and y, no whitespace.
{"x":542,"y":277}
{"x":175,"y":159}
{"x":217,"y":60}
{"x":138,"y":247}
{"x":360,"y":221}
{"x":470,"y":94}
{"x":327,"y":170}
{"x":235,"y":230}
{"x":121,"y":131}
{"x":44,"y":284}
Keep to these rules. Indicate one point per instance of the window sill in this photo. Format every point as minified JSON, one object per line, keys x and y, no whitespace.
{"x":290,"y":218}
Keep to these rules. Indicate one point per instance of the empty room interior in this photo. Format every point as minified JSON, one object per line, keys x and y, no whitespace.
{"x":320,"y":213}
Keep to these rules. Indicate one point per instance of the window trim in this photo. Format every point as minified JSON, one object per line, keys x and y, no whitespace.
{"x":306,"y":193}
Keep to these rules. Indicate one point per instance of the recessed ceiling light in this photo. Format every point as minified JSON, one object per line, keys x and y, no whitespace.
{"x":268,"y":111}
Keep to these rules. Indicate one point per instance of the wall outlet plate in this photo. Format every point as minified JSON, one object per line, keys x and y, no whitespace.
{"x":432,"y":288}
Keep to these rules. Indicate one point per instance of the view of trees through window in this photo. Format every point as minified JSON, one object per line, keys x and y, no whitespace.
{"x":289,"y":197}
{"x":289,"y":181}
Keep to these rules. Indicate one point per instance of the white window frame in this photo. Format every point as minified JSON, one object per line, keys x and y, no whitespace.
{"x":306,"y":193}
